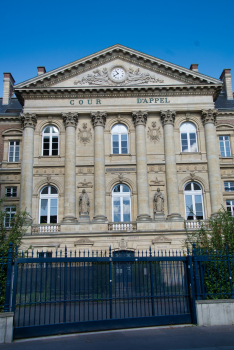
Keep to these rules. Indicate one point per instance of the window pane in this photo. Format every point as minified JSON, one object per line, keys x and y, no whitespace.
{"x":124,"y":150}
{"x":125,"y":188}
{"x":53,"y":190}
{"x":189,"y":207}
{"x":196,"y":187}
{"x":126,"y":209}
{"x":45,"y":190}
{"x":44,"y":207}
{"x":116,"y":209}
{"x":43,"y":220}
{"x":47,"y":130}
{"x":53,"y":219}
{"x":188,"y":187}
{"x":116,"y":188}
{"x":54,"y":129}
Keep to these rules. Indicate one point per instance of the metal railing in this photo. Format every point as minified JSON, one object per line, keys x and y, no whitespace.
{"x":45,"y":228}
{"x":122,"y":226}
{"x":196,"y":224}
{"x":6,"y":259}
{"x":214,"y":273}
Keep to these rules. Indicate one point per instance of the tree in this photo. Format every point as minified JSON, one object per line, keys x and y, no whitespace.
{"x":215,"y":234}
{"x":18,"y":226}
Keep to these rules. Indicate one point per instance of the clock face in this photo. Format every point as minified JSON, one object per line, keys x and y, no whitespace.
{"x":118,"y":73}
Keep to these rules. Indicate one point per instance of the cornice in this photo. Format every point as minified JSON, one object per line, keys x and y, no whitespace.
{"x":7,"y":118}
{"x":117,"y":52}
{"x":118,"y":92}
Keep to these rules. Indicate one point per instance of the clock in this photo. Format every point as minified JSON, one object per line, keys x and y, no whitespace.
{"x":117,"y":74}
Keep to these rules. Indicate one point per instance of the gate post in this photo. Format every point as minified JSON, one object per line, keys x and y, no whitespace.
{"x":191,"y":289}
{"x":152,"y":283}
{"x":65,"y":288}
{"x":110,"y":284}
{"x":196,"y":272}
{"x":230,"y":273}
{"x":8,"y":280}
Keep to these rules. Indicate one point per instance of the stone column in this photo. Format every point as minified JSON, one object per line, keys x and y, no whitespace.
{"x":168,"y":118}
{"x":70,"y":121}
{"x":139,"y":120}
{"x":99,"y":122}
{"x":208,"y":119}
{"x":29,"y":122}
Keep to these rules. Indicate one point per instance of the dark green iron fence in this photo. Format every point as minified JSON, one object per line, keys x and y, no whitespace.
{"x":81,"y":292}
{"x":214,"y":273}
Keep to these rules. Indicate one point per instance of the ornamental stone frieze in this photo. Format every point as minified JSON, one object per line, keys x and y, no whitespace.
{"x":168,"y":117}
{"x":70,"y":119}
{"x":209,"y":116}
{"x":99,"y":118}
{"x":139,"y":117}
{"x":28,"y":120}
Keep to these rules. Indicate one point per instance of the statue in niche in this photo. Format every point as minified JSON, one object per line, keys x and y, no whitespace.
{"x":158,"y":201}
{"x":84,"y":205}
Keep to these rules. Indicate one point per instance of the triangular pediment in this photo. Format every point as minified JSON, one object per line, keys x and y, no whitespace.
{"x":96,"y":70}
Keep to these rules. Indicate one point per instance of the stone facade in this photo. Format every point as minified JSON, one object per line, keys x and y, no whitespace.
{"x":83,"y":101}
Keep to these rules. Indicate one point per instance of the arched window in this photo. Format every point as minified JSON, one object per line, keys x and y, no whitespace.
{"x":121,"y":203}
{"x":48,"y":205}
{"x":119,"y":135}
{"x":50,"y":138}
{"x":194,"y":209}
{"x":188,"y":134}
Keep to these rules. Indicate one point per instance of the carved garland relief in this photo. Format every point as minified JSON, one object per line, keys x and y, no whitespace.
{"x":102,"y":77}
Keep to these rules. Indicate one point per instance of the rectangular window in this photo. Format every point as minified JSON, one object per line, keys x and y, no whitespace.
{"x":10,"y":213}
{"x":115,"y":144}
{"x":224,"y":143}
{"x":184,"y":142}
{"x":228,"y":186}
{"x":11,"y":192}
{"x":230,"y":206}
{"x":124,"y":144}
{"x":14,"y":147}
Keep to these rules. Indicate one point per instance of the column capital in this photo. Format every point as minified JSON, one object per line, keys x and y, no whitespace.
{"x":99,"y":118}
{"x":28,"y":120}
{"x":168,"y":117}
{"x":139,"y":117}
{"x":209,"y":116}
{"x":70,"y":119}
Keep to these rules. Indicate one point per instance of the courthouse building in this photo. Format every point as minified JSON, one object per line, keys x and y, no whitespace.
{"x":117,"y":149}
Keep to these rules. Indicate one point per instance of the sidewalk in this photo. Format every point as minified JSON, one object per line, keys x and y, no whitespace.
{"x":157,"y":338}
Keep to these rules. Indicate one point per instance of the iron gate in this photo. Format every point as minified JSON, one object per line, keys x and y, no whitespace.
{"x":57,"y":295}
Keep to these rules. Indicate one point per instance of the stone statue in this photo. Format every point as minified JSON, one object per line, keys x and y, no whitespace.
{"x":84,"y":205}
{"x":158,"y":201}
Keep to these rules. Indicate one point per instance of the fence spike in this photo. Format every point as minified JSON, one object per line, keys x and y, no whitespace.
{"x":110,"y":251}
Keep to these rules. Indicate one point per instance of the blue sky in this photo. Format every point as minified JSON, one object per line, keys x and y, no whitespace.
{"x":53,"y":33}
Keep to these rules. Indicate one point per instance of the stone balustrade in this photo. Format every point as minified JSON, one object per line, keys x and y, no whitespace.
{"x":196,"y":224}
{"x":45,"y":228}
{"x":122,"y":226}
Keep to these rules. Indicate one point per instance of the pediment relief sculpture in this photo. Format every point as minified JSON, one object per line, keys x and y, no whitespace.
{"x":103,"y":77}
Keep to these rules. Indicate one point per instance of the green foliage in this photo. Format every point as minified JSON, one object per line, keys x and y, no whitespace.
{"x":14,"y":234}
{"x":216,"y":234}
